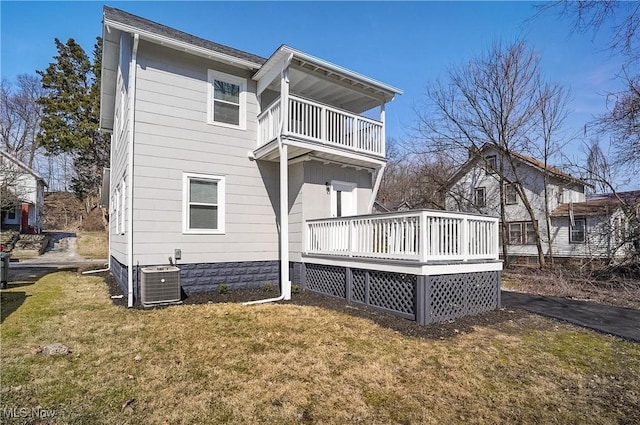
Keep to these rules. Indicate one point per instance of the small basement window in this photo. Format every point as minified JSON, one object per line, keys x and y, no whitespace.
{"x":203,"y":203}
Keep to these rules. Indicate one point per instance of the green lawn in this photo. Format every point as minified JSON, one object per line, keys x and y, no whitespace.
{"x":275,"y":363}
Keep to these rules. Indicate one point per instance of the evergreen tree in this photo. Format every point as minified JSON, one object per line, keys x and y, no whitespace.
{"x":71,"y":112}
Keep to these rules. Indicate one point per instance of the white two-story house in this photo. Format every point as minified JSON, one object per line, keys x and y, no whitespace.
{"x":23,"y":193}
{"x":243,"y":170}
{"x":579,"y":226}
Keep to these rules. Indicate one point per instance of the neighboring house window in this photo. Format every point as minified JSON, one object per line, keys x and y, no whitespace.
{"x":203,"y":203}
{"x":510,"y":194}
{"x":481,"y":197}
{"x":492,"y":163}
{"x":11,"y":214}
{"x":522,"y":233}
{"x":227,"y":100}
{"x":515,"y":233}
{"x":577,"y":232}
{"x":560,"y":195}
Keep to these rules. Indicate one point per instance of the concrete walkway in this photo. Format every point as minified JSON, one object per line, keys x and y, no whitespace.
{"x":618,"y":321}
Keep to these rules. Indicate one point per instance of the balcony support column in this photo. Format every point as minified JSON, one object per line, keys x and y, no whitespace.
{"x":382,"y":132}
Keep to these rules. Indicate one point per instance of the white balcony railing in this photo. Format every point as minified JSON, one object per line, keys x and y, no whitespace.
{"x":324,"y":124}
{"x":423,"y":236}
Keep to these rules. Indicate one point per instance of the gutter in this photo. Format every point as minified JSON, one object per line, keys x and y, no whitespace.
{"x":133,"y":66}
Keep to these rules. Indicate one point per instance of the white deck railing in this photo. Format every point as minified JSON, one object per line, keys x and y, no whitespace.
{"x":423,"y":236}
{"x":324,"y":124}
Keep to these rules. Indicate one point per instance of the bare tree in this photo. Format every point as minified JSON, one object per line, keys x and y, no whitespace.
{"x":494,"y":100}
{"x":622,"y":121}
{"x":20,"y":117}
{"x":551,"y":139}
{"x":598,"y":169}
{"x":416,"y":179}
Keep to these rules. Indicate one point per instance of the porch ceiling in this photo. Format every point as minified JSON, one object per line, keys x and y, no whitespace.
{"x":325,"y":82}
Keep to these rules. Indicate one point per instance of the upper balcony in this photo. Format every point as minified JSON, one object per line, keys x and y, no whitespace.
{"x":318,"y":108}
{"x":322,"y":124}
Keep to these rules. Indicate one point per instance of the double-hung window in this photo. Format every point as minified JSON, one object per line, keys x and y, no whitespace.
{"x":510,"y":194}
{"x":578,"y":230}
{"x":480,"y":197}
{"x":522,"y":233}
{"x":203,"y":210}
{"x":227,"y":103}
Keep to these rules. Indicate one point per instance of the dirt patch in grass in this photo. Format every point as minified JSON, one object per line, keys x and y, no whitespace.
{"x":613,"y":288}
{"x":289,"y":363}
{"x":93,"y":245}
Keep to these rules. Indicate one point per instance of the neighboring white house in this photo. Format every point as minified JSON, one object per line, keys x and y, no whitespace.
{"x":23,"y":193}
{"x":577,"y":228}
{"x":244,"y":170}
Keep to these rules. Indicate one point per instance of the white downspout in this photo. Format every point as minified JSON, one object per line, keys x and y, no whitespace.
{"x":285,"y":283}
{"x":133,"y":66}
{"x":111,"y":156}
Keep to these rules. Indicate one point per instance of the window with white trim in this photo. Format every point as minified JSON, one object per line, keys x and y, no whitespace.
{"x":123,"y":204}
{"x":11,"y":214}
{"x":116,"y":210}
{"x":203,"y":203}
{"x":227,"y":100}
{"x":577,"y":231}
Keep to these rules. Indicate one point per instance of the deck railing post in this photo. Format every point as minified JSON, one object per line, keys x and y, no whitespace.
{"x":323,"y":123}
{"x":464,"y":238}
{"x":423,"y":236}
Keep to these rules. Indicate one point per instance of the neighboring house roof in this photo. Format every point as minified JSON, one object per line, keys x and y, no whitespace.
{"x":23,"y":166}
{"x":393,"y":206}
{"x":600,"y":204}
{"x":113,"y":15}
{"x":535,"y":163}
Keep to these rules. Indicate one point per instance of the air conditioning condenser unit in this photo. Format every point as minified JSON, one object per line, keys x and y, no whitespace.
{"x":160,"y":285}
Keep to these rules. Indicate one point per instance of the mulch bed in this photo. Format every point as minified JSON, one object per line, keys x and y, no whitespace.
{"x":405,"y":327}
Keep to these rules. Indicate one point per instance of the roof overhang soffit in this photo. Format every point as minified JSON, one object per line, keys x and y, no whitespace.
{"x":329,"y":72}
{"x":272,"y":70}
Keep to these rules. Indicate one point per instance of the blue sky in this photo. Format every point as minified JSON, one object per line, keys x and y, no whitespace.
{"x":405,"y":44}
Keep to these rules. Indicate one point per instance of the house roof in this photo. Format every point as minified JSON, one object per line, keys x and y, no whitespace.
{"x":23,"y":166}
{"x":393,"y":206}
{"x":535,"y":163}
{"x":600,"y":204}
{"x":357,"y":92}
{"x":113,"y":16}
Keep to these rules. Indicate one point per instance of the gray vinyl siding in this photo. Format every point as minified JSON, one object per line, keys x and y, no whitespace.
{"x":173,"y":137}
{"x":308,"y":198}
{"x":296,"y":213}
{"x":119,"y":145}
{"x":316,"y":200}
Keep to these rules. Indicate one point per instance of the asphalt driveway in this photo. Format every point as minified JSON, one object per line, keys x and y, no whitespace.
{"x":618,"y":321}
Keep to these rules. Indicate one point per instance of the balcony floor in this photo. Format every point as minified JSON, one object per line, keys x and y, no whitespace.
{"x":298,"y":148}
